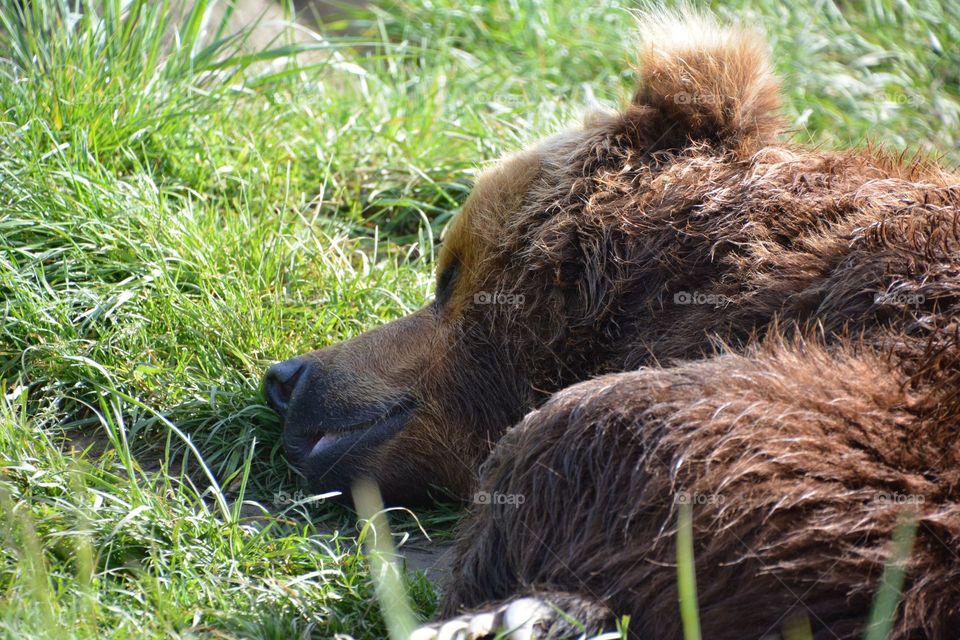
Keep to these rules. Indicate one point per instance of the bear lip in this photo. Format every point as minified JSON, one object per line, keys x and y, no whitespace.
{"x":324,"y":441}
{"x":368,"y":432}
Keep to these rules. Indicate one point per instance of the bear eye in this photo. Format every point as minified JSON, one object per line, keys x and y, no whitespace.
{"x":445,"y":284}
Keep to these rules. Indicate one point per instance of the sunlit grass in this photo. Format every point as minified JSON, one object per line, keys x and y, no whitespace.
{"x":887,"y":599}
{"x":686,"y":573}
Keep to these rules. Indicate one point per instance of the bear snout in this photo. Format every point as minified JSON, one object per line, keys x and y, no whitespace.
{"x":333,"y":420}
{"x":281,"y":381}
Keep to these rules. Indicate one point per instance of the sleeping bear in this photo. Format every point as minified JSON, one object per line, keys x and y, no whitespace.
{"x":668,"y":304}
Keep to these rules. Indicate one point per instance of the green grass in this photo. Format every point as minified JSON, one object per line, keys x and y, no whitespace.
{"x":176,"y":213}
{"x":686,"y":573}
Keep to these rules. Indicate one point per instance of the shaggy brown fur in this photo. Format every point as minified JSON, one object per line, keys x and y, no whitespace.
{"x":810,"y":405}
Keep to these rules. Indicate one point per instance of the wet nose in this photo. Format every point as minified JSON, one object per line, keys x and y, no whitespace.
{"x":281,"y":381}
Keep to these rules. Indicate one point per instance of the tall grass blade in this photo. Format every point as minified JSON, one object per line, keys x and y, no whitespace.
{"x":686,"y":573}
{"x":386,"y":572}
{"x":887,"y":600}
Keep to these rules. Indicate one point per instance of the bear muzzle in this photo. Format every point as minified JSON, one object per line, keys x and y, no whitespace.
{"x":329,"y":435}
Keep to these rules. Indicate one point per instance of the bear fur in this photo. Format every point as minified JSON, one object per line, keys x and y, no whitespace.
{"x":688,"y":307}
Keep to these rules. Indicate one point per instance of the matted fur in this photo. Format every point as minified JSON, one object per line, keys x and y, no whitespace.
{"x":813,"y":405}
{"x":798,"y":462}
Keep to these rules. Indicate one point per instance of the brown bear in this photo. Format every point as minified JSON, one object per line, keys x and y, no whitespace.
{"x":765,"y":330}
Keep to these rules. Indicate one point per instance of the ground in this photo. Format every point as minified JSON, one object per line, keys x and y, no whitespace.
{"x":171,"y":225}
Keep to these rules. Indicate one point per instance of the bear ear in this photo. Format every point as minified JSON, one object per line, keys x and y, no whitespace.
{"x":700,"y":81}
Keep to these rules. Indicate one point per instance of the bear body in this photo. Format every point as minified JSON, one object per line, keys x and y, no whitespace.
{"x":673,"y":304}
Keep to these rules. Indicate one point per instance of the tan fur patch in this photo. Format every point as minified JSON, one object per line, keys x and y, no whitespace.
{"x":477,"y":229}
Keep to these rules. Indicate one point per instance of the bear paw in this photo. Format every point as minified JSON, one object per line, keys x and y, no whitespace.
{"x":514,"y":620}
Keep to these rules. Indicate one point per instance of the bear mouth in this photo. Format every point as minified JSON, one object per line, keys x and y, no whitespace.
{"x":330,"y":450}
{"x":322,"y":441}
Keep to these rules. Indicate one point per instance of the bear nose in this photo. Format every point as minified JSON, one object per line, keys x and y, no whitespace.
{"x":281,"y":381}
